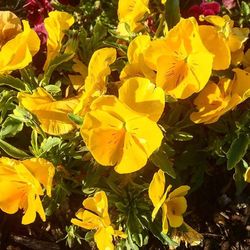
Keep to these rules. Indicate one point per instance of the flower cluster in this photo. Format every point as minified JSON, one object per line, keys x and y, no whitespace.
{"x":109,"y":103}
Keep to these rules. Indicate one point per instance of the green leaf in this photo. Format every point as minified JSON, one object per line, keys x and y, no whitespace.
{"x":99,"y":32}
{"x":237,"y":150}
{"x":53,"y":89}
{"x":53,"y":65}
{"x":182,"y":136}
{"x":239,"y":179}
{"x":15,"y":83}
{"x":76,"y":118}
{"x":49,"y":143}
{"x":172,"y":12}
{"x":161,"y":160}
{"x":245,"y":8}
{"x":10,"y":127}
{"x":13,"y":151}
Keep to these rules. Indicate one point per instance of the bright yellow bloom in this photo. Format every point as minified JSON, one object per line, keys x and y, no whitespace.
{"x":56,"y":24}
{"x":217,"y":99}
{"x":247,"y":175}
{"x":143,"y":97}
{"x":120,"y":136}
{"x":20,"y":185}
{"x":52,"y":114}
{"x":16,"y":46}
{"x":95,"y":82}
{"x":186,"y":234}
{"x":173,"y":204}
{"x":182,"y":62}
{"x":131,"y":12}
{"x":95,"y":216}
{"x":222,"y":39}
{"x":136,"y":64}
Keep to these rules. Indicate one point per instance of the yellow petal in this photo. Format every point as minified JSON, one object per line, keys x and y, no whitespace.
{"x":165,"y":225}
{"x":180,"y":191}
{"x":99,"y":205}
{"x":34,"y":205}
{"x":10,"y":26}
{"x":99,"y":69}
{"x":142,"y":138}
{"x":17,"y":53}
{"x":132,"y":12}
{"x":103,"y":239}
{"x":237,"y":37}
{"x":217,"y":45}
{"x":87,"y":220}
{"x":137,"y":65}
{"x":56,"y":24}
{"x":247,"y":175}
{"x":10,"y":199}
{"x":143,"y":96}
{"x":52,"y":114}
{"x":241,"y":84}
{"x":176,"y":207}
{"x":42,"y":170}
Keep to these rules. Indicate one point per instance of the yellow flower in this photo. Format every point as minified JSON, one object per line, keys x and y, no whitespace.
{"x":131,"y":12}
{"x":20,"y":182}
{"x":56,"y":24}
{"x":186,"y":234}
{"x":136,"y":64}
{"x":173,"y":204}
{"x":16,"y":46}
{"x":182,"y":62}
{"x":95,"y":82}
{"x":120,"y":136}
{"x":52,"y":114}
{"x":222,"y":39}
{"x":247,"y":175}
{"x":95,"y":216}
{"x":216,"y":99}
{"x":143,"y":97}
{"x":77,"y":80}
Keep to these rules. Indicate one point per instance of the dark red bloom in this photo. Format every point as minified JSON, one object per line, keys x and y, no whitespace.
{"x":37,"y":10}
{"x":205,"y":8}
{"x":42,"y":32}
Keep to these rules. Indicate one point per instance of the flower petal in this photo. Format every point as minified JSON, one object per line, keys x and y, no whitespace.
{"x":143,"y":96}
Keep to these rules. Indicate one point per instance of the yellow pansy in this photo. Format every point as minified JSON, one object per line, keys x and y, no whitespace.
{"x":173,"y":204}
{"x":20,"y":182}
{"x":182,"y":62}
{"x":131,"y":12}
{"x":143,"y":97}
{"x":95,"y":82}
{"x":52,"y":114}
{"x":136,"y":64}
{"x":222,"y":39}
{"x":247,"y":175}
{"x":17,"y":46}
{"x":56,"y":24}
{"x":217,"y":99}
{"x":95,"y":216}
{"x":120,"y":136}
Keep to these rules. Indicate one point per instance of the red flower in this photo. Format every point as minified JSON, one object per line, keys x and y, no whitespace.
{"x":41,"y":32}
{"x":205,"y":8}
{"x":37,"y":10}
